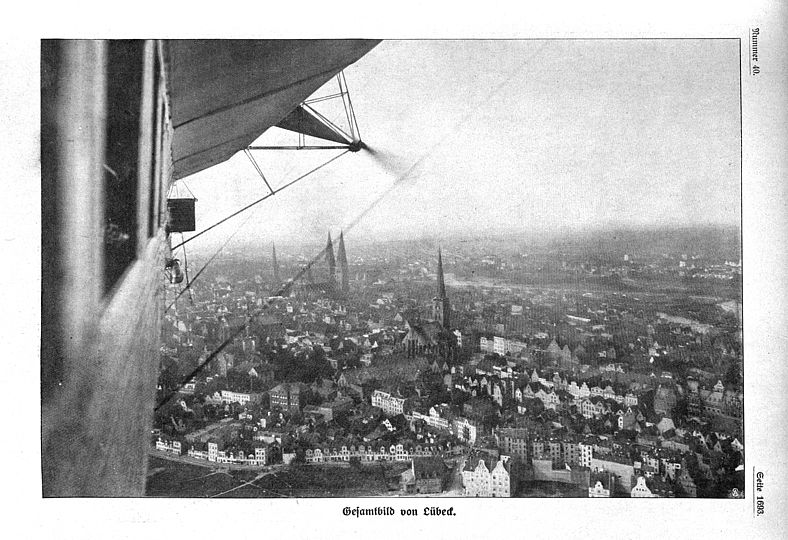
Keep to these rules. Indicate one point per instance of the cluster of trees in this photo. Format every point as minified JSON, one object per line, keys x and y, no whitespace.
{"x":243,"y":381}
{"x":303,"y":367}
{"x":174,"y":372}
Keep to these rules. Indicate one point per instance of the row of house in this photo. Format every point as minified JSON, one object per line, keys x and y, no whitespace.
{"x":440,"y":417}
{"x":502,"y":346}
{"x":226,"y":396}
{"x":714,"y":402}
{"x":170,"y":447}
{"x":368,"y":453}
{"x":562,"y":460}
{"x":498,"y":382}
{"x":562,"y":452}
{"x":213,"y":454}
{"x":571,"y":387}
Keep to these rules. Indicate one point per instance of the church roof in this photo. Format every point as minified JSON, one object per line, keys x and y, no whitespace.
{"x":429,"y":331}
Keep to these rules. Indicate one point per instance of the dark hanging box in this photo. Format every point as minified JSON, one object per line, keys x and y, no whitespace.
{"x":181,"y":213}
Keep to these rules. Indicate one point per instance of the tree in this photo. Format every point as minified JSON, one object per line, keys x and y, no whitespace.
{"x":313,"y":398}
{"x":458,"y":398}
{"x":317,"y":366}
{"x":353,"y":360}
{"x":680,"y":409}
{"x":732,"y":377}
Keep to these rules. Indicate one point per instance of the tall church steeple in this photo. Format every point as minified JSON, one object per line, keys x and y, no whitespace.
{"x":441,"y":285}
{"x":332,"y":263}
{"x":277,"y":281}
{"x":342,"y":257}
{"x":440,"y":304}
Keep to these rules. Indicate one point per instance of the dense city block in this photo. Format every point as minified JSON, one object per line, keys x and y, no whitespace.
{"x":605,"y":365}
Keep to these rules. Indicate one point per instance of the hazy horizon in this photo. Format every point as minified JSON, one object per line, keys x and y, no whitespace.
{"x":538,"y":241}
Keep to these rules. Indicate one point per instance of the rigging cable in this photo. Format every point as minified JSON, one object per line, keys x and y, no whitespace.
{"x":257,"y":168}
{"x":189,"y":283}
{"x":258,"y":201}
{"x":210,"y":260}
{"x":186,"y":272}
{"x":249,"y":319}
{"x":187,"y":189}
{"x":355,"y":132}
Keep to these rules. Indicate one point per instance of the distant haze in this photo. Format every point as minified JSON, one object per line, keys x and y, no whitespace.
{"x":707,"y":241}
{"x":509,"y":136}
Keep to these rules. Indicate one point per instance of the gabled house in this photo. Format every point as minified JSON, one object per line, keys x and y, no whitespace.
{"x":481,"y":481}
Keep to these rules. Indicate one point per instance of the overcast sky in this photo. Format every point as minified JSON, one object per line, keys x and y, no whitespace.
{"x":531,"y":136}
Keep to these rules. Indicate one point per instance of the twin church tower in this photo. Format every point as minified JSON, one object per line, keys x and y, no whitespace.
{"x":337,"y":281}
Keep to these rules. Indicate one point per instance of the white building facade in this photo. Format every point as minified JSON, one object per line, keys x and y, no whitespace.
{"x":390,"y":405}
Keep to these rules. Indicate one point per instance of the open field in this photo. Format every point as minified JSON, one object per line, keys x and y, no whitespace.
{"x":173,"y":479}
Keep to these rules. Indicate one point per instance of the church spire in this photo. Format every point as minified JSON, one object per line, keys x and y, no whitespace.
{"x":440,"y":304}
{"x":332,"y":263}
{"x":441,"y":285}
{"x":276,"y":266}
{"x":342,"y":259}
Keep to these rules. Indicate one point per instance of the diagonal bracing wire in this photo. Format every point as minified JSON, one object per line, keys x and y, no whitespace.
{"x":186,"y":271}
{"x":349,"y":109}
{"x":210,"y":260}
{"x":284,"y":288}
{"x":258,"y":201}
{"x":257,"y":168}
{"x":187,"y":188}
{"x":190,"y":283}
